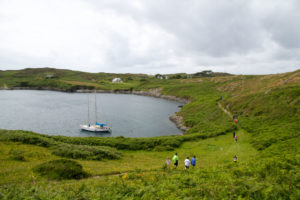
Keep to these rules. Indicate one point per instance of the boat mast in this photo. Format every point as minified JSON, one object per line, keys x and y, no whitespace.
{"x":95,"y":108}
{"x":88,"y":109}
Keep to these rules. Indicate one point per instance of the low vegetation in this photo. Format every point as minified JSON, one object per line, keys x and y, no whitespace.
{"x":268,"y":151}
{"x":61,"y":169}
{"x":17,"y":155}
{"x":59,"y":148}
{"x":85,"y":152}
{"x":71,"y":145}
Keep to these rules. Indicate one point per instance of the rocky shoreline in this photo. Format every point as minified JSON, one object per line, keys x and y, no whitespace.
{"x":151,"y":92}
{"x":177,"y":119}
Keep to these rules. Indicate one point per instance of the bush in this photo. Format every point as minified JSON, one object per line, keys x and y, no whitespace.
{"x":85,"y":152}
{"x":17,"y":154}
{"x":61,"y":169}
{"x":26,"y":137}
{"x":61,"y":144}
{"x":163,"y":148}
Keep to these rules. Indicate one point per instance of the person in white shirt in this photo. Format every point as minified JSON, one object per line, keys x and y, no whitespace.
{"x":168,"y":162}
{"x":187,"y":163}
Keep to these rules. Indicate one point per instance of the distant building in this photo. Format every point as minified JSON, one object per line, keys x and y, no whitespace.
{"x":117,"y":80}
{"x":159,"y":76}
{"x":49,"y":76}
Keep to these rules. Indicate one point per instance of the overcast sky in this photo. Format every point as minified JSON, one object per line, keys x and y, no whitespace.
{"x":151,"y":36}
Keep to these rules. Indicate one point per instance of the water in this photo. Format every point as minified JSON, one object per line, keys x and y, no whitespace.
{"x":58,"y":113}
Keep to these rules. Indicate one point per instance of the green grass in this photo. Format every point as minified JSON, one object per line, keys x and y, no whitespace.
{"x":268,"y":149}
{"x":215,"y":175}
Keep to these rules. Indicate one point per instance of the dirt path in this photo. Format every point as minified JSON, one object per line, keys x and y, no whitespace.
{"x":224,"y":110}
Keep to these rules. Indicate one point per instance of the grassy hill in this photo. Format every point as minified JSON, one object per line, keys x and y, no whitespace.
{"x":268,"y":150}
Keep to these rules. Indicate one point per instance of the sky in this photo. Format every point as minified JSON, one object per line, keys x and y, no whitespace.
{"x":151,"y":36}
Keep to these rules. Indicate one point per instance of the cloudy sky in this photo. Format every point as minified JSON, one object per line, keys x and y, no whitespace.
{"x":151,"y":36}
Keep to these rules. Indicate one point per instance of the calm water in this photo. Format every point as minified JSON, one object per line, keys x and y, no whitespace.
{"x":58,"y":113}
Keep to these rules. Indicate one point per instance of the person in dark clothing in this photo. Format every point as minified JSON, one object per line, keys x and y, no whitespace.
{"x":233,"y":134}
{"x":235,"y":158}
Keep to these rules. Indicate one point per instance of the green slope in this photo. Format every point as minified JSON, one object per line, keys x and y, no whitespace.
{"x":268,"y":150}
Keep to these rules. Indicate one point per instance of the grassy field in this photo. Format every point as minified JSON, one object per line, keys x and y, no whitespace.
{"x":268,"y":150}
{"x":214,"y":153}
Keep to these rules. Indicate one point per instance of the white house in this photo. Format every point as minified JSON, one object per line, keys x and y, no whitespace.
{"x":159,"y":76}
{"x":117,"y":80}
{"x":49,"y":76}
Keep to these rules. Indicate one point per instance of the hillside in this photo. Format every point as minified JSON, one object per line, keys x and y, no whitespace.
{"x":268,"y":150}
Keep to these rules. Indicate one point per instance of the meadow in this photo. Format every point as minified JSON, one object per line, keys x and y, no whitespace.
{"x":268,"y":150}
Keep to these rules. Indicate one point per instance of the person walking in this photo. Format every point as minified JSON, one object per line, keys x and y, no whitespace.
{"x":236,"y":138}
{"x":233,"y":134}
{"x":175,"y":160}
{"x":235,"y":159}
{"x":187,"y":163}
{"x":193,"y":161}
{"x":168,"y":162}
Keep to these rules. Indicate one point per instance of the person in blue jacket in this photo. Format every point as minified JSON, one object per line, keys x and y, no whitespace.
{"x":193,"y":161}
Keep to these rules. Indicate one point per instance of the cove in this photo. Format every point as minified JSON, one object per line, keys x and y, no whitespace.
{"x":59,"y":113}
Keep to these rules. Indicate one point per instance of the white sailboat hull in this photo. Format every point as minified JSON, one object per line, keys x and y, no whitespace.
{"x":96,"y":128}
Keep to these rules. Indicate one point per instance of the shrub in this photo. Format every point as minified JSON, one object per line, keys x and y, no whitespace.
{"x":163,"y":148}
{"x":17,"y":155}
{"x":26,"y":137}
{"x":85,"y":152}
{"x":61,"y":169}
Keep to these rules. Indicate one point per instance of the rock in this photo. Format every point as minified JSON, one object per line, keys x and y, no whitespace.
{"x":178,"y":120}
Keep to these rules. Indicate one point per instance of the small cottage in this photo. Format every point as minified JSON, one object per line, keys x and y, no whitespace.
{"x":49,"y":76}
{"x":117,"y":80}
{"x":159,"y":76}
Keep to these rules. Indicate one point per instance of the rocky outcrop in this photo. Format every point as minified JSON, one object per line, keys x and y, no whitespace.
{"x":178,"y":120}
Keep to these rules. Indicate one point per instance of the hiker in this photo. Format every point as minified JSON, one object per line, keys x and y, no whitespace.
{"x":235,"y":158}
{"x":233,"y":135}
{"x":233,"y":116}
{"x":220,"y":99}
{"x":236,"y":138}
{"x":235,"y":120}
{"x":187,"y":163}
{"x":175,"y":160}
{"x":168,"y":162}
{"x":193,"y":161}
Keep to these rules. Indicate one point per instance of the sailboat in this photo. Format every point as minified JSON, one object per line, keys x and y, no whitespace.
{"x":97,"y":127}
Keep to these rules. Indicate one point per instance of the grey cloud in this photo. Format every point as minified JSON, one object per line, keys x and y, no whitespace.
{"x":283,"y":24}
{"x":168,"y":36}
{"x":217,"y":29}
